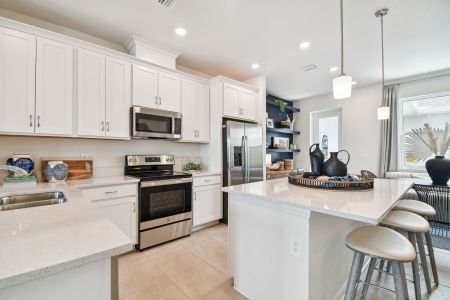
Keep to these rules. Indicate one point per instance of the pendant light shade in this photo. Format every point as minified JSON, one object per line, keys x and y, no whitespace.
{"x":383,"y":112}
{"x":342,"y":87}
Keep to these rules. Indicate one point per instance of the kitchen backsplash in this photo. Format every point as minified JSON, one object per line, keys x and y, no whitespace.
{"x":108,"y":155}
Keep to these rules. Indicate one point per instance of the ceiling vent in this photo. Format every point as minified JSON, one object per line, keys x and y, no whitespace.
{"x":310,"y":67}
{"x":166,"y":3}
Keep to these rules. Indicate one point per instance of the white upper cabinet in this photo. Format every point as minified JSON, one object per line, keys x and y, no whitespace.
{"x":17,"y":81}
{"x":155,"y":89}
{"x":145,"y":87}
{"x":231,"y":106}
{"x":54,"y":87}
{"x":118,"y":98}
{"x":239,"y":102}
{"x":203,"y":113}
{"x":195,"y":111}
{"x":169,"y":92}
{"x":91,"y":93}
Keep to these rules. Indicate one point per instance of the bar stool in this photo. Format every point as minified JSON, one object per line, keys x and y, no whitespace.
{"x":379,"y":243}
{"x":414,"y":225}
{"x":425,"y":211}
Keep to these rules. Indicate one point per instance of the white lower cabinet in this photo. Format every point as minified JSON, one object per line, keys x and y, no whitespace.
{"x":118,"y":203}
{"x":207,"y":200}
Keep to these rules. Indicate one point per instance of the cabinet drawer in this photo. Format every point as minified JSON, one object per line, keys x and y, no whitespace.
{"x":207,"y":180}
{"x":108,"y":192}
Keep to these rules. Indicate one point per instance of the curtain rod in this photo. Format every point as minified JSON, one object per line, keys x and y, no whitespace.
{"x":425,"y":76}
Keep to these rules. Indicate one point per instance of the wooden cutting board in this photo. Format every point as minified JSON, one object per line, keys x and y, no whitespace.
{"x":78,"y":168}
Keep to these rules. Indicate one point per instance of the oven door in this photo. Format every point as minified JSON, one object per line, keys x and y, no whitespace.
{"x":154,"y":123}
{"x":164,"y":202}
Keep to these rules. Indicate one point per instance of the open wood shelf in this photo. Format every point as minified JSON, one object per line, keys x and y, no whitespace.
{"x":283,"y":130}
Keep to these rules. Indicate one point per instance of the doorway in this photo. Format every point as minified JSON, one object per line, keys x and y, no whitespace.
{"x":326,"y":130}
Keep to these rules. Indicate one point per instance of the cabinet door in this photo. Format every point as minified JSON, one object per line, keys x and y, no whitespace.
{"x":247,"y":102}
{"x":188,"y":106}
{"x":118,"y":98}
{"x":17,"y":81}
{"x":169,"y":91}
{"x":231,"y":106}
{"x":91,"y":93}
{"x":203,"y":113}
{"x":54,"y":87}
{"x":145,"y":86}
{"x":122,"y":212}
{"x":207,"y":204}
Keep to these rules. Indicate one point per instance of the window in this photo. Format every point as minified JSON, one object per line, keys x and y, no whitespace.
{"x":414,"y":112}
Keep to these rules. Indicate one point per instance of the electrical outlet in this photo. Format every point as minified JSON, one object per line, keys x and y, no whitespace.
{"x":295,"y":248}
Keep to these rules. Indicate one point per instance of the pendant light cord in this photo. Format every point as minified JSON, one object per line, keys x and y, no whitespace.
{"x":382,"y":58}
{"x":342,"y":38}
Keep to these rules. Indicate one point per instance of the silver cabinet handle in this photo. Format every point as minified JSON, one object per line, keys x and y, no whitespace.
{"x":195,"y":196}
{"x":107,"y":126}
{"x":159,"y":100}
{"x":103,"y":126}
{"x":156,"y":100}
{"x":31,"y":120}
{"x":134,"y":207}
{"x":39,"y":121}
{"x":112,"y":192}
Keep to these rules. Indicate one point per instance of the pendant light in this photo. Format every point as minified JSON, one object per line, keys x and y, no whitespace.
{"x":342,"y":85}
{"x":383,"y":112}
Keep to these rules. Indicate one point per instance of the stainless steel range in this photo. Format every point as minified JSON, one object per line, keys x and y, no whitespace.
{"x":165,"y":199}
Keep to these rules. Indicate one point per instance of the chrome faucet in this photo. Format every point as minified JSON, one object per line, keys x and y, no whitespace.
{"x":15,"y":170}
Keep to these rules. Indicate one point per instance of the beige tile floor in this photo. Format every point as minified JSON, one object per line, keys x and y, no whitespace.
{"x":194,"y":267}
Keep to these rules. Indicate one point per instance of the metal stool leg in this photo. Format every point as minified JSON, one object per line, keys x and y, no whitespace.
{"x":353,"y":278}
{"x":401,"y":289}
{"x":388,"y":267}
{"x":369,"y":274}
{"x":432,"y":260}
{"x":415,"y":267}
{"x":381,"y":267}
{"x":423,"y":260}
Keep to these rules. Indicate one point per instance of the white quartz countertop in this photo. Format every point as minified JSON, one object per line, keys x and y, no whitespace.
{"x":365,"y":206}
{"x":40,"y":241}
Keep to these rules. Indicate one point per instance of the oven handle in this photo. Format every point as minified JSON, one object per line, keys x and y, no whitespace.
{"x":165,"y":182}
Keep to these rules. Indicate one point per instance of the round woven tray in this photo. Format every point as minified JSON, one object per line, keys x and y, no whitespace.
{"x":355,"y":185}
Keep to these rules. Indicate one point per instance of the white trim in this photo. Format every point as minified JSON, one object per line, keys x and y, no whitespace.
{"x":223,"y":79}
{"x":134,"y":40}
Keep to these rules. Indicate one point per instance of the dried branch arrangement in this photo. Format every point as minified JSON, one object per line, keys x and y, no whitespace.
{"x":421,"y":143}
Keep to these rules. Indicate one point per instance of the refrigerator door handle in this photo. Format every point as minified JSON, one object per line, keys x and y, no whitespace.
{"x":243,"y":159}
{"x":247,"y":160}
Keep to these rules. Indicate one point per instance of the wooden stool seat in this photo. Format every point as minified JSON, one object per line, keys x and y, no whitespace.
{"x":415,"y":206}
{"x":406,"y":221}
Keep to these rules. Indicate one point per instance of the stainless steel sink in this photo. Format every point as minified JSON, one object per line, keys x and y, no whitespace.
{"x":31,"y":200}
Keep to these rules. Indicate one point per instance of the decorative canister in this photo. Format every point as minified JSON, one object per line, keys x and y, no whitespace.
{"x":23,"y":161}
{"x":316,"y":157}
{"x":334,"y":166}
{"x":56,"y":171}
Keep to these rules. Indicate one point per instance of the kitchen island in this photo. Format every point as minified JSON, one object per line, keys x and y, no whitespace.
{"x":59,"y":251}
{"x":288,"y":242}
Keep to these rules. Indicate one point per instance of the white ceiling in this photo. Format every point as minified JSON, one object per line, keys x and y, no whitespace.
{"x":226,"y":36}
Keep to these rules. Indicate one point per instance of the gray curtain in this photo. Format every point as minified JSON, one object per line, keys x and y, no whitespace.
{"x":388,"y":151}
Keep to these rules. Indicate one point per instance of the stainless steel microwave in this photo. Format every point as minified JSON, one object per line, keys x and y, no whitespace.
{"x":155,"y":123}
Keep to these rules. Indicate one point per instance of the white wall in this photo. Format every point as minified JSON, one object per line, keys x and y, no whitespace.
{"x":108,"y":155}
{"x":360,"y":127}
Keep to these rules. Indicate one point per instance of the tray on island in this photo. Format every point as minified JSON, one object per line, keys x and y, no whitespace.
{"x":357,"y":184}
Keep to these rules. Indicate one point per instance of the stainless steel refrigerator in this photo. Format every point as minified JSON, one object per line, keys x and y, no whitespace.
{"x":243,"y":160}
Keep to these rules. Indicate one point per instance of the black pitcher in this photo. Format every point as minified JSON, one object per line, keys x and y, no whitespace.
{"x":334,"y":166}
{"x":316,"y":157}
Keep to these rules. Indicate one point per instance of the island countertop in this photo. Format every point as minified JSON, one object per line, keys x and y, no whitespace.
{"x":365,"y":206}
{"x":40,"y":241}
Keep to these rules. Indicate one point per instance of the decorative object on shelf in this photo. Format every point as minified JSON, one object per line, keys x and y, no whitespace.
{"x":281,"y":164}
{"x":293,"y":122}
{"x":282,"y":105}
{"x":268,"y":159}
{"x":23,"y":161}
{"x":287,"y":123}
{"x":288,"y":164}
{"x":334,"y":166}
{"x":382,"y":111}
{"x":192,"y":164}
{"x":56,"y":171}
{"x":269,"y":123}
{"x":316,"y":158}
{"x":280,"y":142}
{"x":293,"y":146}
{"x":421,"y":143}
{"x":274,"y":167}
{"x":342,"y":85}
{"x":341,"y":183}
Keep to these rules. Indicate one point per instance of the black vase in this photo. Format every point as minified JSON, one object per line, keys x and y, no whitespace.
{"x":334,"y":166}
{"x":316,"y":157}
{"x":439,"y":170}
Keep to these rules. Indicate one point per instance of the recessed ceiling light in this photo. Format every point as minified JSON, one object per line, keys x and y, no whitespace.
{"x":304,"y":45}
{"x":354,"y":82}
{"x":333,"y":69}
{"x":255,"y":66}
{"x":180,"y":31}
